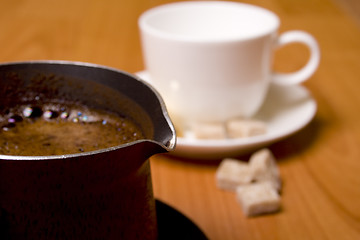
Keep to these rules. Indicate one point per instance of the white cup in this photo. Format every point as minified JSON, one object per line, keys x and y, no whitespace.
{"x":211,"y":60}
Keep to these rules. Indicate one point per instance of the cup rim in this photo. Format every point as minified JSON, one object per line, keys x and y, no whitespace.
{"x":146,"y":27}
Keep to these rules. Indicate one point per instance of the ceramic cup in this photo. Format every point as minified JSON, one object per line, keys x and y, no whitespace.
{"x":212,"y":61}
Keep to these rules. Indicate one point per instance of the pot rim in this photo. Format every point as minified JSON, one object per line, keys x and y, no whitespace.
{"x":170,"y":146}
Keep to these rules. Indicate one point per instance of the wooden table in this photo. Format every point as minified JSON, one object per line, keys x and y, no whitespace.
{"x":320,"y":165}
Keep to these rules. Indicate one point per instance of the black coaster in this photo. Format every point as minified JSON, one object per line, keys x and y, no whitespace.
{"x":174,"y":225}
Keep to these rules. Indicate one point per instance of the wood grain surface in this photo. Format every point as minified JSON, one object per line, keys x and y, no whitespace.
{"x":319,"y":165}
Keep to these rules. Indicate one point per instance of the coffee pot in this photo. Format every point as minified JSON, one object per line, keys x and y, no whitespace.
{"x":102,"y":194}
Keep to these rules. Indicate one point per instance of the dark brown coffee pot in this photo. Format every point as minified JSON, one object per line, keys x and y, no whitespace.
{"x":103,"y":194}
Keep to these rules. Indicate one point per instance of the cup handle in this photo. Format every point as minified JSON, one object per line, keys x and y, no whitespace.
{"x":310,"y":67}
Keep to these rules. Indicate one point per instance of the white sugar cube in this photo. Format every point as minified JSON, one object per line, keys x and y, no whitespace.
{"x":213,"y":130}
{"x":263,"y":167}
{"x":239,"y":128}
{"x":258,"y":198}
{"x":232,"y":173}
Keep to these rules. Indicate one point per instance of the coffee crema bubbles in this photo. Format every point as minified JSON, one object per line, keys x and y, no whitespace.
{"x":57,"y":129}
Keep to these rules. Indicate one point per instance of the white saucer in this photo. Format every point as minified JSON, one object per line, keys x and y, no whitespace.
{"x":286,"y":111}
